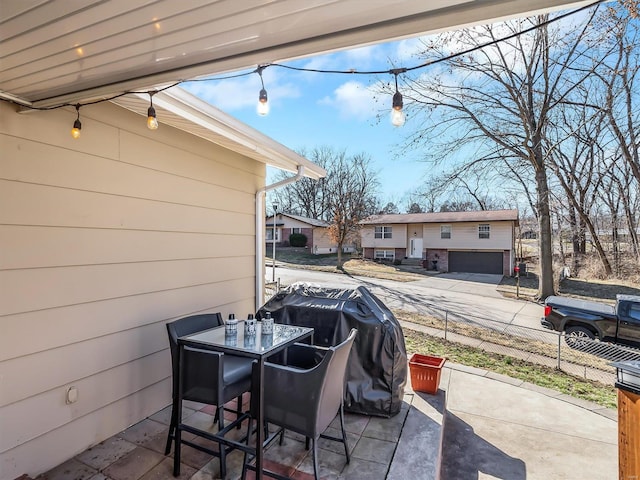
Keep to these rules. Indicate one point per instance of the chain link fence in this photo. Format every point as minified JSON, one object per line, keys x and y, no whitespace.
{"x":582,"y":357}
{"x":590,"y":359}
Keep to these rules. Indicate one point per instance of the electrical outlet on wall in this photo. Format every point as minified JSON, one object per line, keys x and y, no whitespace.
{"x":72,"y":395}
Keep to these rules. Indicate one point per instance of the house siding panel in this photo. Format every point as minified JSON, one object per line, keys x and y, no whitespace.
{"x":322,"y":242}
{"x":465,"y":236}
{"x":398,"y":237}
{"x":118,"y":232}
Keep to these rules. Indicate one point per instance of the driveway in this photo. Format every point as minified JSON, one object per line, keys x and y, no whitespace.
{"x":468,"y":294}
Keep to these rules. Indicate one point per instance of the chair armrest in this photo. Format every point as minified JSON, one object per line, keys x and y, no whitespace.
{"x":304,"y":356}
{"x":201,"y":359}
{"x":295,"y":388}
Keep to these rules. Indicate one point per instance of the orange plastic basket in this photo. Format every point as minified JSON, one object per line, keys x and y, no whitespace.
{"x":425,"y":373}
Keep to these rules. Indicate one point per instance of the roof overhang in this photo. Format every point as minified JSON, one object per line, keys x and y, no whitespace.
{"x":180,"y":109}
{"x":69,"y":51}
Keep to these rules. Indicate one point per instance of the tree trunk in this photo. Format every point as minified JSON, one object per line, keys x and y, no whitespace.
{"x":561,"y":239}
{"x":633,"y":236}
{"x":595,"y":239}
{"x":545,"y":283}
{"x":575,"y":241}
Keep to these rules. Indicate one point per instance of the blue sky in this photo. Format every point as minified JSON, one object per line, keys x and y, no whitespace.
{"x":309,"y":110}
{"x":342,"y":111}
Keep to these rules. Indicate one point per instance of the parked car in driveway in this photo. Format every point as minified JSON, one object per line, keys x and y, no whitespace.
{"x":583,"y":320}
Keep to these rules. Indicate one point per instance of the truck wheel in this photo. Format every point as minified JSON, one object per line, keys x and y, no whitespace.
{"x":578,"y":337}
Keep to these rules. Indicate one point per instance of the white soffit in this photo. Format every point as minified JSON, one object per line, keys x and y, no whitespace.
{"x":55,"y":51}
{"x":180,"y":109}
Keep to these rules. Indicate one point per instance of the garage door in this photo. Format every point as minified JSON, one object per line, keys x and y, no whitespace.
{"x":475,"y":262}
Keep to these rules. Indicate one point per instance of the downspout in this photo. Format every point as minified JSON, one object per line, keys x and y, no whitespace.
{"x":260,"y":231}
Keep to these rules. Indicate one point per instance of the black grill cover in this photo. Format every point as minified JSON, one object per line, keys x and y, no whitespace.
{"x":377,"y":368}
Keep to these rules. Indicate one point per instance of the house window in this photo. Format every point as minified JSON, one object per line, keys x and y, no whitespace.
{"x":484,"y":230}
{"x":296,"y":230}
{"x":383,"y":232}
{"x":269,"y":235}
{"x":445,"y":231}
{"x":385,"y":254}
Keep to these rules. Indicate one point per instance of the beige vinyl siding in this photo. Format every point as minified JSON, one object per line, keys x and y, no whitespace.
{"x":322,"y":242}
{"x":102,"y":241}
{"x":398,"y":237}
{"x":464,"y":235}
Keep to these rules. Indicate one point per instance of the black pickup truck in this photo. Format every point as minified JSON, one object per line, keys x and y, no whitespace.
{"x":582,"y":320}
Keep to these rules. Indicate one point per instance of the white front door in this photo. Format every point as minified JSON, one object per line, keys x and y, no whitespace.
{"x":415,"y":248}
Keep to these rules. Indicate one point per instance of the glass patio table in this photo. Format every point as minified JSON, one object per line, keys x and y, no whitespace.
{"x":258,"y":346}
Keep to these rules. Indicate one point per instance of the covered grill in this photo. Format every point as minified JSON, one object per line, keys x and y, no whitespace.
{"x":377,"y":368}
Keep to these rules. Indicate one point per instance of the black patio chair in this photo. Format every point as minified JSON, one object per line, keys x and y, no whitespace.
{"x":305,"y":398}
{"x":208,"y":377}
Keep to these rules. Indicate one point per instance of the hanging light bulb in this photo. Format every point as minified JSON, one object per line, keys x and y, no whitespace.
{"x":397,"y":115}
{"x":263,"y":101}
{"x":152,"y":120}
{"x":77,"y":126}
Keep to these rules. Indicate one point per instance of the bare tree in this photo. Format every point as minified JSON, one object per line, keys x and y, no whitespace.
{"x":415,"y":208}
{"x":577,"y":161}
{"x":343,"y":198}
{"x":499,"y":100}
{"x":351,"y":186}
{"x":307,"y":197}
{"x":390,"y":207}
{"x":619,"y":73}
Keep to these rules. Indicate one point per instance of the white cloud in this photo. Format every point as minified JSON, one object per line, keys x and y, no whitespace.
{"x":363,"y":54}
{"x":359,"y":59}
{"x":407,"y":50}
{"x":352,"y":100}
{"x":240,"y":93}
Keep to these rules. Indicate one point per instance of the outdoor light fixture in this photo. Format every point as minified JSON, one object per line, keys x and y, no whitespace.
{"x":263,"y":100}
{"x":152,"y":121}
{"x":397,"y":115}
{"x":77,"y":126}
{"x":628,"y":375}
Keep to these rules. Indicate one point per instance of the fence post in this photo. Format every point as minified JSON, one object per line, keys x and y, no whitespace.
{"x":446,"y":322}
{"x":559,"y":343}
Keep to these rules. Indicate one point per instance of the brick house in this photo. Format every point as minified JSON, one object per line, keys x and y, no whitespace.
{"x":316,"y":231}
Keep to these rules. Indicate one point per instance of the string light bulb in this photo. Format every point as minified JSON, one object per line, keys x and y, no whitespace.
{"x":152,"y":120}
{"x":77,"y":125}
{"x":263,"y":101}
{"x":397,"y":115}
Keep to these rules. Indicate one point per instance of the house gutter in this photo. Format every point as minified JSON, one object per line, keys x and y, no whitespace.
{"x":261,"y":228}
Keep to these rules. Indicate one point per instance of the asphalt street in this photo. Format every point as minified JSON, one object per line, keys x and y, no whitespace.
{"x":469,"y":295}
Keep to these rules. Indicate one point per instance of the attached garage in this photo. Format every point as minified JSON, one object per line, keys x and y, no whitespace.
{"x":476,"y":262}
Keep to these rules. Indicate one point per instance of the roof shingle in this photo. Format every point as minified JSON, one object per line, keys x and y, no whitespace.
{"x":441,"y":217}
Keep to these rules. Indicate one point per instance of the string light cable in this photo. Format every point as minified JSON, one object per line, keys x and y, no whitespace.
{"x":263,"y":105}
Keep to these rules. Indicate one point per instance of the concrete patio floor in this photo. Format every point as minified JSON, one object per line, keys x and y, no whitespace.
{"x":496,"y":427}
{"x":138,"y":452}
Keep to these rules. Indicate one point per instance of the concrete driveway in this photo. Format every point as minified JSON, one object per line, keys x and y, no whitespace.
{"x":483,"y":284}
{"x":468,"y":294}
